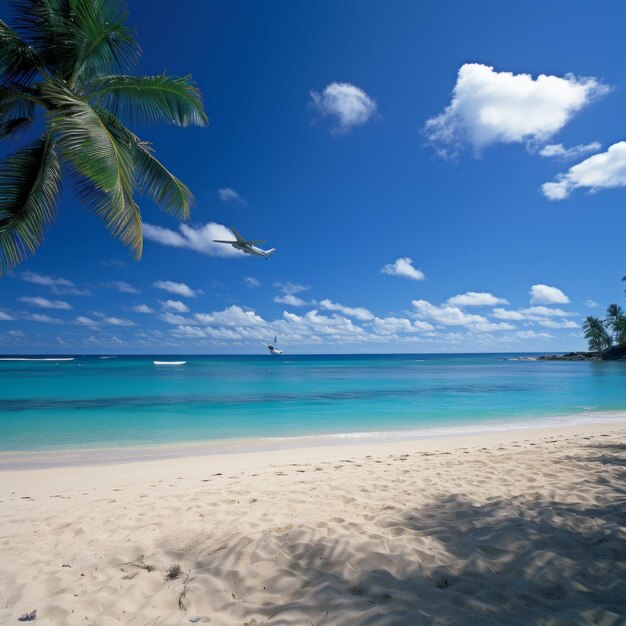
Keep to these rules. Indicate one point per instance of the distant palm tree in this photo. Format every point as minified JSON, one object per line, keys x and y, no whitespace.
{"x":616,"y":322}
{"x":65,"y":58}
{"x":596,"y":334}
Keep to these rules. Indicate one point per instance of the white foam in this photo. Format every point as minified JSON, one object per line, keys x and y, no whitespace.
{"x":169,"y":362}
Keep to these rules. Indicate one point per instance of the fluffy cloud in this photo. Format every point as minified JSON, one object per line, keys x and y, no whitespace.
{"x":606,"y":170}
{"x":142,"y":308}
{"x":176,"y":305}
{"x":559,"y":151}
{"x":121,"y":286}
{"x":489,"y":107}
{"x":447,"y":315}
{"x":592,"y":304}
{"x":200,"y":239}
{"x":289,"y":287}
{"x":81,"y":320}
{"x":559,"y":324}
{"x":179,"y":289}
{"x":230,"y":196}
{"x":475,"y":298}
{"x":232,"y":316}
{"x":505,"y":314}
{"x":531,"y":313}
{"x":359,"y":313}
{"x":403,"y":267}
{"x":544,"y":294}
{"x":290,"y":300}
{"x":117,"y":321}
{"x":44,"y":303}
{"x":5,"y":317}
{"x":251,"y":281}
{"x":394,"y":325}
{"x":347,"y":105}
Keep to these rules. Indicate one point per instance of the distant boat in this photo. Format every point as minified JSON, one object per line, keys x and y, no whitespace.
{"x":169,"y":362}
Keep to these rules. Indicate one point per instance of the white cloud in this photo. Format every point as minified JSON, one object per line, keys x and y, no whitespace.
{"x":230,"y":196}
{"x":544,"y":294}
{"x":179,"y":289}
{"x":290,"y":300}
{"x":232,"y":316}
{"x":606,"y":170}
{"x":200,"y":239}
{"x":393,"y":325}
{"x":489,"y":107}
{"x":560,"y":324}
{"x":592,"y":304}
{"x":176,"y":305}
{"x":85,"y":321}
{"x":44,"y":319}
{"x":142,"y":308}
{"x":403,"y":267}
{"x":531,"y":334}
{"x":43,"y":280}
{"x":5,"y":317}
{"x":475,"y":298}
{"x":347,"y":105}
{"x":189,"y":331}
{"x":359,"y":313}
{"x":544,"y":311}
{"x":172,"y":318}
{"x":117,"y":321}
{"x":251,"y":281}
{"x":453,"y":316}
{"x":289,"y":287}
{"x":559,"y":151}
{"x":58,"y":286}
{"x":44,"y":303}
{"x":505,"y":314}
{"x":121,"y":286}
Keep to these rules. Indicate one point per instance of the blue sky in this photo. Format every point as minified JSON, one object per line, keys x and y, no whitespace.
{"x":383,"y":220}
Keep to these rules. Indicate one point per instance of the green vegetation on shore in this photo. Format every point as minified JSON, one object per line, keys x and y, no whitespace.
{"x":65,"y":59}
{"x":607,"y":336}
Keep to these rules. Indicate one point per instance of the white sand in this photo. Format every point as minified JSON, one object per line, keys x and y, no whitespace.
{"x":517,"y":527}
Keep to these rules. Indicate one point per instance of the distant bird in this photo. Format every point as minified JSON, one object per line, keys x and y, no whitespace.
{"x":273,"y":349}
{"x":247,"y":246}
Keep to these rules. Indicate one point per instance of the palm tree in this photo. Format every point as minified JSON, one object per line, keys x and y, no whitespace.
{"x":614,"y":320}
{"x":596,"y":334}
{"x":65,"y":59}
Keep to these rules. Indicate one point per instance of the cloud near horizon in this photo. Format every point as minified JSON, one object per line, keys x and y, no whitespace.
{"x":490,"y":107}
{"x":475,"y":298}
{"x":403,"y":267}
{"x":199,"y":239}
{"x":346,"y":105}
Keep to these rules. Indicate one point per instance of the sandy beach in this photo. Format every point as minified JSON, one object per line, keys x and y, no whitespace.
{"x":521,"y":527}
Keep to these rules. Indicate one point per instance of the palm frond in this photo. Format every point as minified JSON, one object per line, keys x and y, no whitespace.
{"x":102,"y":155}
{"x":18,"y":61}
{"x":47,"y":25}
{"x":16,"y":112}
{"x":29,"y":186}
{"x":104,"y":43}
{"x":171,"y":99}
{"x":151,"y":176}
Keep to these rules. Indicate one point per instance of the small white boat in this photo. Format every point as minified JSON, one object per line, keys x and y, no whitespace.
{"x":169,"y":362}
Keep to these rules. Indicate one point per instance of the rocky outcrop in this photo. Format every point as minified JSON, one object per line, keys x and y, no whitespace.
{"x":616,"y":353}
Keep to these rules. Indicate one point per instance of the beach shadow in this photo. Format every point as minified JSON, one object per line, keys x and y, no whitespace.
{"x":521,"y":561}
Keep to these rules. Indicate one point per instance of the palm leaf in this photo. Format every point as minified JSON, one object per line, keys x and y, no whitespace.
{"x":29,"y":185}
{"x":103,"y":43}
{"x":18,"y":61}
{"x":16,"y":112}
{"x":103,"y":158}
{"x":152,"y":98}
{"x":151,"y":176}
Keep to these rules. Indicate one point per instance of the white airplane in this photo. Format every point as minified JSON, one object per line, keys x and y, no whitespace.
{"x":273,"y":349}
{"x":247,"y":246}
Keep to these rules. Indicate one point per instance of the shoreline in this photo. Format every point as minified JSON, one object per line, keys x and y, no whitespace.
{"x":12,"y":460}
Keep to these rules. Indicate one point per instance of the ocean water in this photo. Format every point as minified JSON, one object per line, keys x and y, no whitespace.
{"x":93,"y":402}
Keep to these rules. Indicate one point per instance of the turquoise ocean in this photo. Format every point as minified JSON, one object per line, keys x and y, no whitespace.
{"x":128,"y":401}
